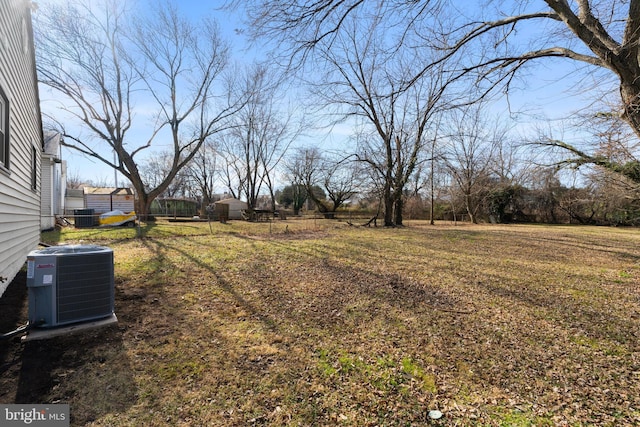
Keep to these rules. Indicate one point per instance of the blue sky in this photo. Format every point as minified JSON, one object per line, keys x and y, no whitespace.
{"x":544,"y":93}
{"x":97,"y":171}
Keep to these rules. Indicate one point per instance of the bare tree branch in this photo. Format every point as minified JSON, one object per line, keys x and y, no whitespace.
{"x":90,"y":54}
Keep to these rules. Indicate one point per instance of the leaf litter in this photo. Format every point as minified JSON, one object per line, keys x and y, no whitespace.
{"x":485,"y":325}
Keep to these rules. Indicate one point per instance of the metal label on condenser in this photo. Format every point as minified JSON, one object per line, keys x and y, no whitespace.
{"x":31,"y":264}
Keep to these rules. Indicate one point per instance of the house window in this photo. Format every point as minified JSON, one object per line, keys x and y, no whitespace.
{"x":4,"y":130}
{"x":34,"y":168}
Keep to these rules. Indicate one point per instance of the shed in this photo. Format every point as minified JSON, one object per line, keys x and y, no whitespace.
{"x":106,"y":199}
{"x":235,"y":207}
{"x":73,"y":200}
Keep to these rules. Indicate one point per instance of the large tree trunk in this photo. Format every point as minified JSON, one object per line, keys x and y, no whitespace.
{"x":470,"y":209}
{"x":630,"y":94}
{"x":143,"y":205}
{"x":398,"y":207}
{"x":388,"y":205}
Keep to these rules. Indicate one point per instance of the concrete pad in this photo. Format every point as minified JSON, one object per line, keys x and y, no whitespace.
{"x":45,"y":333}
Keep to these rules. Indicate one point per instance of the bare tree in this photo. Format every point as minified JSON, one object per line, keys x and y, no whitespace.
{"x":336,"y":174}
{"x":156,"y":168}
{"x":261,"y":133}
{"x":600,"y":37}
{"x":74,"y":180}
{"x":546,"y":192}
{"x":611,"y":193}
{"x":102,"y":63}
{"x":202,"y":172}
{"x":365,"y":79}
{"x":607,"y":144}
{"x":470,"y":146}
{"x":294,"y":171}
{"x":232,"y":171}
{"x":611,"y":199}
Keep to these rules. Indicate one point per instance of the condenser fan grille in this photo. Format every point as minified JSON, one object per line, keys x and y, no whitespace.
{"x":85,"y":286}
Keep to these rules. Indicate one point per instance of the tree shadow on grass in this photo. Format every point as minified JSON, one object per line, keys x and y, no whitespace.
{"x":161,"y":248}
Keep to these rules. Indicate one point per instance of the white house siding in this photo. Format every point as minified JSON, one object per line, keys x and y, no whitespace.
{"x":19,"y":202}
{"x":53,"y":181}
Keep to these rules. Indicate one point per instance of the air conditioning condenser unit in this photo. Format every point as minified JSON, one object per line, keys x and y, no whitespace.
{"x":70,"y":284}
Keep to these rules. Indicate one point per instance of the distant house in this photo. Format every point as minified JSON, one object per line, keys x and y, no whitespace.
{"x":21,"y":141}
{"x":105,"y":199}
{"x":53,"y":181}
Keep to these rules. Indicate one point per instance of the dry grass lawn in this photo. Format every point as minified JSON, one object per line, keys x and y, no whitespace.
{"x":317,"y":323}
